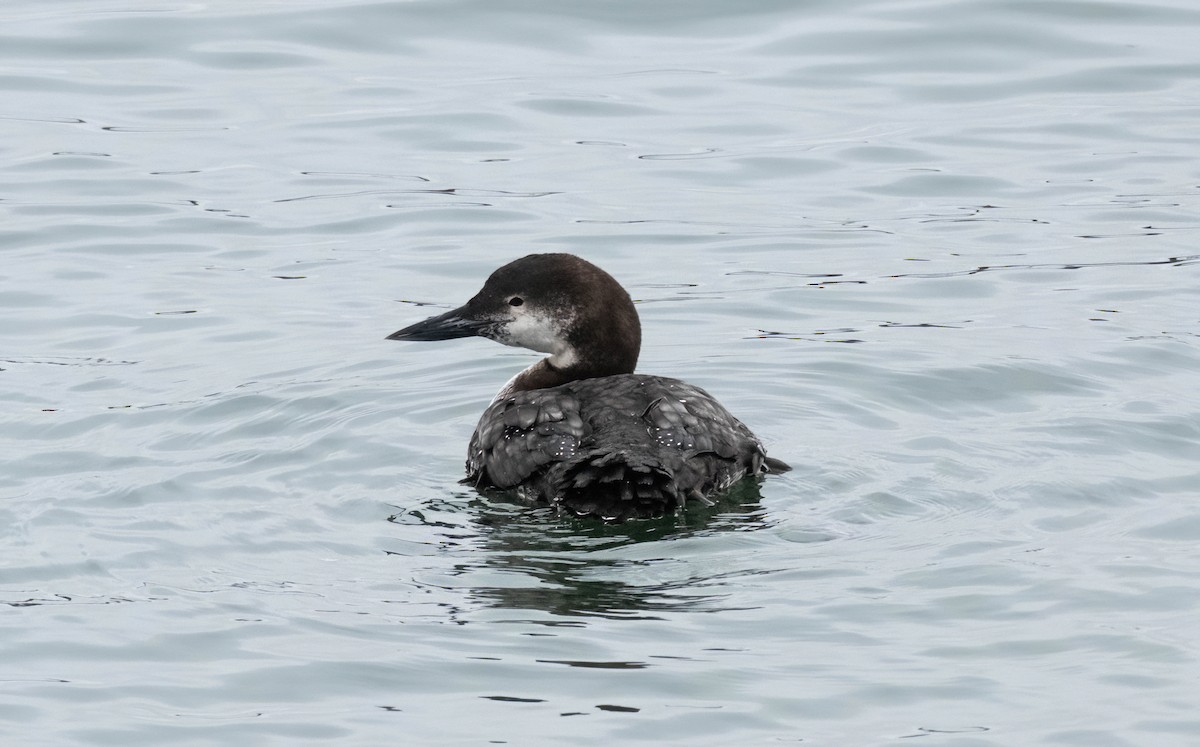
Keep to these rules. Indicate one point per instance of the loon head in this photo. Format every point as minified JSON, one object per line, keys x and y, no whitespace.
{"x":552,"y":303}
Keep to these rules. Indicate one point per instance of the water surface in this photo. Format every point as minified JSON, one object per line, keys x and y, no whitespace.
{"x":941,"y":256}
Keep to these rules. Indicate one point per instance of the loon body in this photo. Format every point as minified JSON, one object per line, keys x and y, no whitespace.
{"x":578,"y":429}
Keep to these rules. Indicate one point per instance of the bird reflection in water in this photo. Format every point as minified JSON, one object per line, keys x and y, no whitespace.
{"x":567,"y":567}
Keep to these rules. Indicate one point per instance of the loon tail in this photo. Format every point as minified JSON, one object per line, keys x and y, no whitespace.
{"x":776,"y":465}
{"x":617,"y":486}
{"x":628,"y":484}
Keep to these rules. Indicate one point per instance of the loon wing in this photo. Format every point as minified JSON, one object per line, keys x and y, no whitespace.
{"x":519,"y":436}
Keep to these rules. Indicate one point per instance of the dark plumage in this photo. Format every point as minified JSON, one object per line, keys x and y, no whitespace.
{"x":579,"y":429}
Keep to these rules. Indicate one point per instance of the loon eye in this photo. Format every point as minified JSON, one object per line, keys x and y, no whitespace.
{"x":516,"y":301}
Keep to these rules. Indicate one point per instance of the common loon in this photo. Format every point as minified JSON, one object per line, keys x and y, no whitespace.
{"x":579,"y":429}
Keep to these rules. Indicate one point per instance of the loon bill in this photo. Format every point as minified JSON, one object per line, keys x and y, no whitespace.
{"x":579,"y":429}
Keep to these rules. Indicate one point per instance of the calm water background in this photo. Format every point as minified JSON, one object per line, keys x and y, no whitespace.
{"x":941,"y":256}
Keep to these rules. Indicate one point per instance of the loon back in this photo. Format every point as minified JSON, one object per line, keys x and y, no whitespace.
{"x":617,"y":447}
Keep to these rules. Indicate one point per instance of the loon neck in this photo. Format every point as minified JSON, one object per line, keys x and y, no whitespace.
{"x":545,"y":374}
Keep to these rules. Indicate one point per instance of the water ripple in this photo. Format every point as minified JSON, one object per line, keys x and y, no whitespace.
{"x":232,"y":508}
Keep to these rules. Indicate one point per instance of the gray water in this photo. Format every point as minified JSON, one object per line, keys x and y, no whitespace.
{"x":940,"y":255}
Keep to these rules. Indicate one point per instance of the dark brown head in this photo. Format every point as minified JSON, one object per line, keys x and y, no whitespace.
{"x":552,"y":303}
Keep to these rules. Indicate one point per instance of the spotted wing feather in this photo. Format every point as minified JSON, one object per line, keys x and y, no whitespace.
{"x":519,"y":436}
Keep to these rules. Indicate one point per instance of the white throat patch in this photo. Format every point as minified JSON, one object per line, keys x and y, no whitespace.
{"x":536,"y":332}
{"x":543,"y":334}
